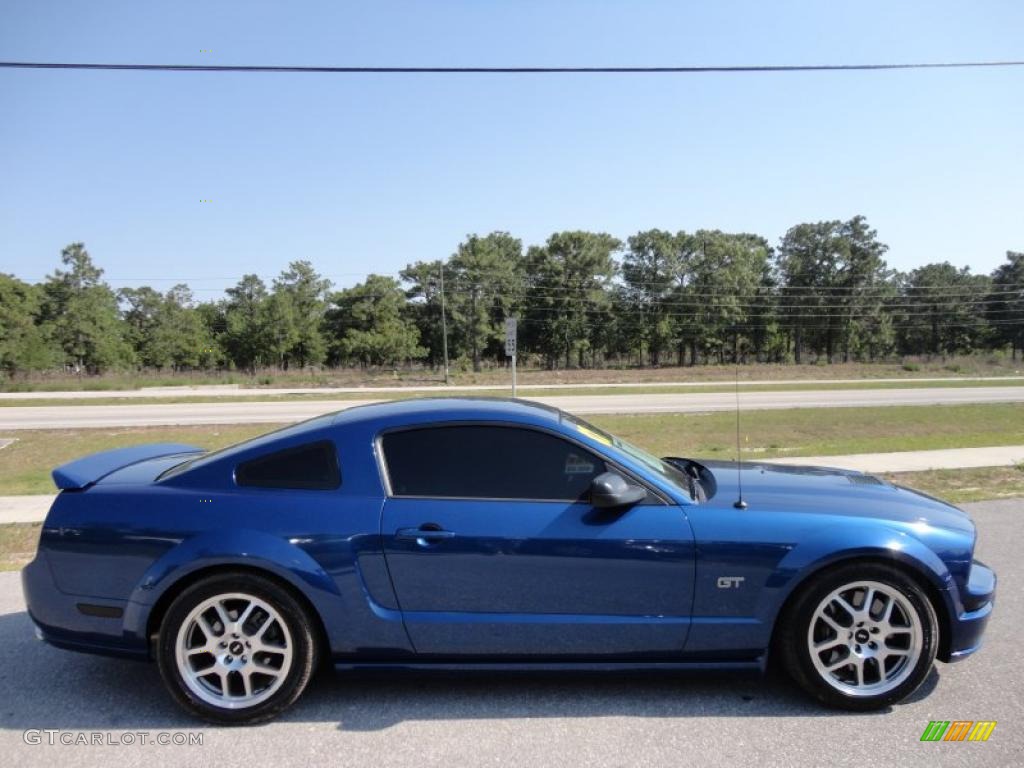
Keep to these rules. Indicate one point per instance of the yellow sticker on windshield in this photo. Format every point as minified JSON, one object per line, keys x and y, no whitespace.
{"x":593,"y":435}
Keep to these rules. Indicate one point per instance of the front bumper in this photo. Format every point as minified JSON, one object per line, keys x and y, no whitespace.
{"x":973,"y":611}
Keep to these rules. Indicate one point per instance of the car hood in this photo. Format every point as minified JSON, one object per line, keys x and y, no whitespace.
{"x":833,"y":491}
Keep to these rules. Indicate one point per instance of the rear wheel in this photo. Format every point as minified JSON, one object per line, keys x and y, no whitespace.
{"x":236,"y":648}
{"x":862,"y":637}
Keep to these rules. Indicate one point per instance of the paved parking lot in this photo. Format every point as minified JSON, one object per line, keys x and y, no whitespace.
{"x":391,"y":719}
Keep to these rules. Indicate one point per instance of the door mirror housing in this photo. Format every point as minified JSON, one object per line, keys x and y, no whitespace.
{"x":610,"y":489}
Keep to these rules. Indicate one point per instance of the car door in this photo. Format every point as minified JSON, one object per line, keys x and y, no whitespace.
{"x":494,"y":549}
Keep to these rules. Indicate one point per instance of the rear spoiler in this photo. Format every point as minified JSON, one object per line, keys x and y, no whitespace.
{"x":89,"y":469}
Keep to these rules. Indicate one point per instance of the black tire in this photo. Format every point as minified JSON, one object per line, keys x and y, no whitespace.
{"x":795,"y":626}
{"x":300,"y":626}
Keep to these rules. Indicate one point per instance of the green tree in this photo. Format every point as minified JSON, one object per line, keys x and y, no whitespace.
{"x":729,"y":273}
{"x":942,"y":310}
{"x":247,"y":339}
{"x":831,"y":274}
{"x":304,"y":292}
{"x":24,"y":345}
{"x":141,"y":313}
{"x":568,"y":280}
{"x":279,"y":329}
{"x":483,"y":280}
{"x":654,"y":269}
{"x":424,"y":309}
{"x":369,"y":325}
{"x":213,"y":320}
{"x":84,"y":314}
{"x":1005,"y":308}
{"x":866,"y":281}
{"x":182,"y":337}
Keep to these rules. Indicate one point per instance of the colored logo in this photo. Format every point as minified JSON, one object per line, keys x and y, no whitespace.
{"x":958,"y":730}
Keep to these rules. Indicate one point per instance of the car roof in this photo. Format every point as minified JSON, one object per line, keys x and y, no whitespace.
{"x":427,"y":409}
{"x":383,"y":415}
{"x":356,"y":424}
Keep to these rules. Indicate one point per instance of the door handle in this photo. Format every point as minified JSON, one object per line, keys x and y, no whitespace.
{"x":425,"y":535}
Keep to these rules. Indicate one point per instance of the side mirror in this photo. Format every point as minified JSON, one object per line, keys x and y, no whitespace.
{"x":609,"y":490}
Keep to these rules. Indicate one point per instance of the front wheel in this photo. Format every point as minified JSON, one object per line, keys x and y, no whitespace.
{"x":862,"y":637}
{"x":236,"y":648}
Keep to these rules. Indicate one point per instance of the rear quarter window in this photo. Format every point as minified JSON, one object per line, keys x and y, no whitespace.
{"x":313,"y":466}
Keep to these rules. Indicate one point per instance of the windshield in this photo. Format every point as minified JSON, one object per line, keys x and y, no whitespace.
{"x":664,"y":470}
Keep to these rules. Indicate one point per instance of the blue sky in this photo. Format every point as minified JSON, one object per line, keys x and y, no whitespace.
{"x":369,"y":173}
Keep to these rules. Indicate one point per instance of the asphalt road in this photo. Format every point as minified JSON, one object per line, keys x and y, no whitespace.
{"x":83,"y":416}
{"x":237,"y":390}
{"x":404,"y":719}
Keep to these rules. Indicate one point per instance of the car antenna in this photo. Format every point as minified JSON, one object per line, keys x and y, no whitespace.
{"x":739,"y":503}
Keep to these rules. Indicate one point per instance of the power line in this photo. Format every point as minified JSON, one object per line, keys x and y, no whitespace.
{"x":518,"y":70}
{"x":769,"y":304}
{"x":892,"y":289}
{"x":769,"y":292}
{"x":784,"y":324}
{"x":774,"y":301}
{"x":774,"y":317}
{"x":747,"y":326}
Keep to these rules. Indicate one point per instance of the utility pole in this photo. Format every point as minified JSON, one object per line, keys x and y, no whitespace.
{"x":444,"y":327}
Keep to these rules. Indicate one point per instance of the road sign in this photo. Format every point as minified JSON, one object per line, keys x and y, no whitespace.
{"x":510,"y":347}
{"x":510,"y":337}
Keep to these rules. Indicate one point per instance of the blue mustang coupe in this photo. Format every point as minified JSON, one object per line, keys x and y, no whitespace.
{"x":500,"y":534}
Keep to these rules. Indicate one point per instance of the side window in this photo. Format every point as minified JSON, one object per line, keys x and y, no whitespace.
{"x":311,"y":467}
{"x":489,"y":463}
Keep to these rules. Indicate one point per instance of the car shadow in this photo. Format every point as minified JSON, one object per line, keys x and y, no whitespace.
{"x":50,"y":688}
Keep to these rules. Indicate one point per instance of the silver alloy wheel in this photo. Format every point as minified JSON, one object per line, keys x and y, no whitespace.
{"x":234,"y":650}
{"x":865,"y":638}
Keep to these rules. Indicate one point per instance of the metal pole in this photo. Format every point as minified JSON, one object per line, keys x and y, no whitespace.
{"x":513,"y":375}
{"x":444,"y":327}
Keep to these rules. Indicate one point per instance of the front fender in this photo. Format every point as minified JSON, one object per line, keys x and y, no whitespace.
{"x":831,"y":547}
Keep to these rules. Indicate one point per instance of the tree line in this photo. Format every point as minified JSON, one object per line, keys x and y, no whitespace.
{"x":583,"y":299}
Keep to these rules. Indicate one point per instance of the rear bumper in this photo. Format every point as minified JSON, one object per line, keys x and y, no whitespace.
{"x":91,"y":625}
{"x":974,"y":610}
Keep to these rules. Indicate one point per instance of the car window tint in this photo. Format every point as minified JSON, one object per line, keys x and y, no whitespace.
{"x":311,"y":467}
{"x":487,"y":462}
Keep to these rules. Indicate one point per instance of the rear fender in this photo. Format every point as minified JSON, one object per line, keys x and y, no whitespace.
{"x":211,"y":549}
